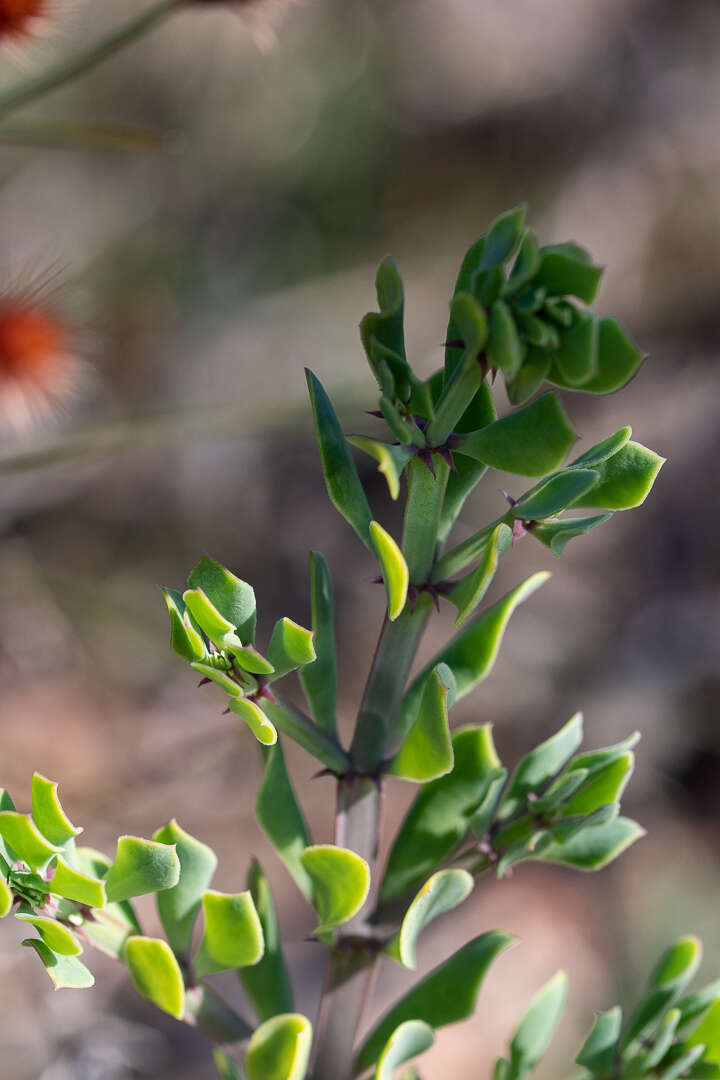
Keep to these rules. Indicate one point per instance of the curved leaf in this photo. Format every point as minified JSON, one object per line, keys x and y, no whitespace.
{"x":341,"y":882}
{"x":141,"y":866}
{"x":56,"y":936}
{"x":185,"y":638}
{"x":230,"y":595}
{"x":341,"y":477}
{"x":319,"y":679}
{"x":541,"y":765}
{"x":427,"y":750}
{"x":440,"y":894}
{"x":411,"y":1038}
{"x":531,"y":441}
{"x":6,"y":898}
{"x":266,"y":983}
{"x":505,"y":350}
{"x":74,"y":885}
{"x":66,"y":972}
{"x":467,"y":593}
{"x":280,"y":1049}
{"x":537,"y":1027}
{"x":232,"y":936}
{"x":599,"y":1049}
{"x":594,"y":847}
{"x":19,"y":831}
{"x":618,"y":359}
{"x":156,"y":974}
{"x":556,"y":534}
{"x":446,"y":995}
{"x":279,"y":815}
{"x":391,"y":460}
{"x":262,"y":728}
{"x":624,"y":479}
{"x":48,"y":814}
{"x":394,"y":569}
{"x":557,"y":493}
{"x":502,"y":237}
{"x":291,"y":646}
{"x":178,"y":906}
{"x":567,"y":270}
{"x":601,"y":451}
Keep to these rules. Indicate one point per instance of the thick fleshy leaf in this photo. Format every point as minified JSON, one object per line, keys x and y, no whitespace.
{"x":467,"y":593}
{"x":694,"y":1007}
{"x":6,"y":898}
{"x":178,"y":906}
{"x":567,"y":270}
{"x":156,"y":974}
{"x":290,"y":721}
{"x":555,"y":534}
{"x":603,"y":786}
{"x":21,"y":833}
{"x":341,"y":477}
{"x":232,"y":935}
{"x":537,"y":1027}
{"x":411,"y":1038}
{"x":291,"y":646}
{"x":207,"y":616}
{"x":438,"y":820}
{"x":555,"y":494}
{"x":393,"y":567}
{"x":468,"y":375}
{"x":505,"y":350}
{"x":678,"y":964}
{"x":185,"y":637}
{"x":531,"y":441}
{"x":48,"y":814}
{"x":279,"y":816}
{"x":56,"y":936}
{"x":440,"y":894}
{"x":624,"y":480}
{"x":502,"y":237}
{"x":141,"y":866}
{"x":471,"y":654}
{"x":600,"y":1047}
{"x":468,"y":473}
{"x":230,"y":595}
{"x":468,"y":269}
{"x":74,"y":885}
{"x":341,"y":882}
{"x":262,"y":728}
{"x":221,"y":678}
{"x":391,"y":460}
{"x":446,"y":995}
{"x":707,"y":1032}
{"x":66,"y":972}
{"x":618,"y":359}
{"x":319,"y":679}
{"x":226,"y":1067}
{"x":249,"y":658}
{"x":382,"y":333}
{"x":594,"y":847}
{"x":576,"y":356}
{"x":526,"y":263}
{"x":528,"y":380}
{"x":267,"y":983}
{"x":427,"y":750}
{"x":280,"y":1049}
{"x":682,"y":1066}
{"x":541,"y":765}
{"x":601,"y":451}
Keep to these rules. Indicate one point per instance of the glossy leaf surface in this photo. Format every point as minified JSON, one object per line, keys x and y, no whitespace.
{"x":440,"y":894}
{"x":531,"y":441}
{"x":394,"y":569}
{"x":261,"y":726}
{"x":230,"y":595}
{"x":291,"y":646}
{"x":468,"y":592}
{"x":427,"y":750}
{"x":341,"y":882}
{"x":392,"y":460}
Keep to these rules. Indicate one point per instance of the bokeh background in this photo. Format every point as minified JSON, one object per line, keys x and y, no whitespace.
{"x":203,"y":276}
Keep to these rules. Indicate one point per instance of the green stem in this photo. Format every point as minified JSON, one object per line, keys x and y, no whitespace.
{"x":468,"y":552}
{"x":422,"y":516}
{"x":67,"y":70}
{"x":466,"y":381}
{"x":299,"y":727}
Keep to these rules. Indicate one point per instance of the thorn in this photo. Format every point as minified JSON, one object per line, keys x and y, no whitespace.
{"x":446,"y":455}
{"x":266,"y":692}
{"x":204,"y":681}
{"x":225,"y":711}
{"x":412,"y":597}
{"x":374,"y":580}
{"x":482,"y":361}
{"x":374,"y":412}
{"x":456,"y":343}
{"x":434,"y":595}
{"x":509,"y":498}
{"x":321,"y":773}
{"x":427,"y":459}
{"x":493,"y":375}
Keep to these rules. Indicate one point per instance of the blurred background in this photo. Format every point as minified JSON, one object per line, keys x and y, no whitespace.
{"x":201,"y":277}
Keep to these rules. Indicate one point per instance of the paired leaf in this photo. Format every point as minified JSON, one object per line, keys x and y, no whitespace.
{"x":531,"y":441}
{"x":232,"y":597}
{"x":594,"y":847}
{"x":567,"y":270}
{"x":470,"y":590}
{"x":48,"y":814}
{"x":156,"y":974}
{"x":560,"y":491}
{"x":185,"y":637}
{"x":411,"y":1038}
{"x":23,"y":836}
{"x":74,"y":885}
{"x":55,"y":935}
{"x":141,"y":866}
{"x":261,"y":726}
{"x":446,"y":995}
{"x":280,"y":818}
{"x":556,"y":534}
{"x":291,"y":646}
{"x":66,"y":972}
{"x":341,"y":882}
{"x":427,"y":750}
{"x":440,"y":894}
{"x":232,"y":936}
{"x":540,"y":766}
{"x":624,"y":479}
{"x":267,"y":982}
{"x":178,"y":905}
{"x":280,"y":1049}
{"x":392,"y":460}
{"x":393,"y":567}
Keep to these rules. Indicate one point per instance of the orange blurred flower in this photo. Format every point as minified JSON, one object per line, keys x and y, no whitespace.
{"x":21,"y":20}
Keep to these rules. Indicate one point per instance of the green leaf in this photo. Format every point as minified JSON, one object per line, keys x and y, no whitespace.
{"x":566,"y":270}
{"x":249,"y":658}
{"x":707,"y":1032}
{"x":682,"y":1065}
{"x":537,"y":1027}
{"x":73,"y":885}
{"x":502,"y":237}
{"x":468,"y":269}
{"x":593,"y":848}
{"x":178,"y":906}
{"x":576,"y":357}
{"x":446,"y":995}
{"x":267,"y":983}
{"x":382,"y":333}
{"x":603,"y":450}
{"x":427,"y":750}
{"x":48,"y":814}
{"x":541,"y":765}
{"x":526,"y":263}
{"x":226,"y":1068}
{"x":440,"y":894}
{"x":232,"y":597}
{"x":232,"y":936}
{"x":279,"y":816}
{"x":290,"y":721}
{"x":141,"y":866}
{"x":222,"y":679}
{"x":66,"y":972}
{"x":678,"y":964}
{"x":556,"y":493}
{"x":599,"y":1049}
{"x":393,"y":567}
{"x":291,"y":646}
{"x":624,"y":480}
{"x":505,"y":350}
{"x":319,"y":679}
{"x":341,"y":477}
{"x":471,"y":654}
{"x":531,"y":441}
{"x":213,"y":623}
{"x":663,"y":1041}
{"x":209,"y":1013}
{"x":185,"y":638}
{"x":156,"y":974}
{"x":20,"y":832}
{"x":438,"y":820}
{"x":555,"y":534}
{"x":467,"y":593}
{"x":618,"y":359}
{"x":529,"y":378}
{"x":341,"y":882}
{"x":6,"y":898}
{"x":479,"y":413}
{"x":262,"y":728}
{"x":392,"y":460}
{"x":694,"y":1007}
{"x":56,"y":936}
{"x":411,"y":1038}
{"x":603,"y":786}
{"x":280,"y":1049}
